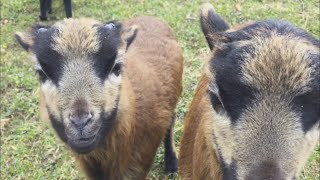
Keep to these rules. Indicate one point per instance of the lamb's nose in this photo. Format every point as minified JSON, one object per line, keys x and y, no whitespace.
{"x":80,"y":121}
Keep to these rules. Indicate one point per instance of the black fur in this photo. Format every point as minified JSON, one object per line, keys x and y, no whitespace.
{"x":308,"y":105}
{"x":43,"y":9}
{"x":46,"y":6}
{"x":235,"y":95}
{"x":107,"y":123}
{"x":58,"y":126}
{"x":109,"y":42}
{"x":215,"y":102}
{"x":265,"y":28}
{"x":211,"y":24}
{"x":229,"y":173}
{"x":68,"y":8}
{"x":50,"y":60}
{"x":170,"y":157}
{"x":267,"y":170}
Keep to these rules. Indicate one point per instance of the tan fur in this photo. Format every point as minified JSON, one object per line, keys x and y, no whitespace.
{"x":197,"y":162}
{"x":295,"y":73}
{"x":25,"y":37}
{"x":43,"y":112}
{"x":240,"y":26}
{"x":86,"y":39}
{"x":278,"y":68}
{"x":144,"y":94}
{"x":150,"y":87}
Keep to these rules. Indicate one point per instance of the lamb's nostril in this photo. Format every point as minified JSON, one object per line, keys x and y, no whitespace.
{"x":80,"y":121}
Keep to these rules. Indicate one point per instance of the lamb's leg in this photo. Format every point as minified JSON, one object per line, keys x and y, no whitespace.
{"x":43,"y":10}
{"x":68,"y":8}
{"x":49,"y":6}
{"x":170,"y":157}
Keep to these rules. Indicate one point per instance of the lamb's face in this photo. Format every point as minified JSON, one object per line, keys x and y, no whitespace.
{"x":264,"y":95}
{"x":264,"y":91}
{"x":79,"y":66}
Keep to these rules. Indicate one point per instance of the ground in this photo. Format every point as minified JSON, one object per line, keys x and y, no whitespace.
{"x":30,"y":148}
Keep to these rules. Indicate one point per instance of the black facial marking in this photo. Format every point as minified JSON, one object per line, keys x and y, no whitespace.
{"x":230,"y":173}
{"x":42,"y":76}
{"x":117,"y":69}
{"x":50,"y":60}
{"x":266,"y":28}
{"x":266,"y":170}
{"x":215,"y":102}
{"x":58,"y":126}
{"x":235,"y":95}
{"x":108,"y":121}
{"x":308,"y":105}
{"x":109,"y":41}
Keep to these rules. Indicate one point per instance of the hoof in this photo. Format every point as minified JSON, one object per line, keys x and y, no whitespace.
{"x":43,"y":18}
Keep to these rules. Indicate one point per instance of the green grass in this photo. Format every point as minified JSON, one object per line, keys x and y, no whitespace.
{"x":29,"y":147}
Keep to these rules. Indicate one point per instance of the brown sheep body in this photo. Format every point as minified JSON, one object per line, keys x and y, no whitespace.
{"x":134,"y":105}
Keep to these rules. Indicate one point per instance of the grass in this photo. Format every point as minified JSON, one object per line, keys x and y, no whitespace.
{"x":29,"y":147}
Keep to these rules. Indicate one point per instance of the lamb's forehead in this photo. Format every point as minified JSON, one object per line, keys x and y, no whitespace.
{"x":280,"y":62}
{"x":69,"y":23}
{"x":76,"y":36}
{"x":274,"y":61}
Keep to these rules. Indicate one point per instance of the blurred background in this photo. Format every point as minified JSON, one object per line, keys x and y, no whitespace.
{"x":29,"y":146}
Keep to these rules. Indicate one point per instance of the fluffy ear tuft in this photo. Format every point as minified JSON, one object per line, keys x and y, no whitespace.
{"x":25,"y":40}
{"x":211,"y":24}
{"x":128,"y":36}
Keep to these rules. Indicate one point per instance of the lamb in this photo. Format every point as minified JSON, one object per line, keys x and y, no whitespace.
{"x":255,"y":113}
{"x":109,"y":90}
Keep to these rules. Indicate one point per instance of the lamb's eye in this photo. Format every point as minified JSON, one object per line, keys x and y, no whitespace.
{"x":215,"y":102}
{"x":117,"y":69}
{"x":42,"y":76}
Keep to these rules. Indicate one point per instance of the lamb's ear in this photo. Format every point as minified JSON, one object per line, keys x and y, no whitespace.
{"x":212,"y":25}
{"x":128,"y":35}
{"x":25,"y":39}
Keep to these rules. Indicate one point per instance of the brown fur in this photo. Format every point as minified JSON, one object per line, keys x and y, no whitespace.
{"x":196,"y":145}
{"x":196,"y":161}
{"x":268,"y":140}
{"x":150,"y":89}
